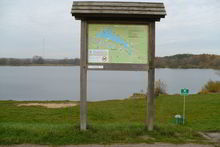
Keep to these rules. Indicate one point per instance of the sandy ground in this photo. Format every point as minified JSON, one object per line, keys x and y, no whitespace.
{"x":50,"y":105}
{"x":213,"y":136}
{"x":117,"y":145}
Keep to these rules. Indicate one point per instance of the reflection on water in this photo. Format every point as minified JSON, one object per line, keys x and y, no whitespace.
{"x":62,"y":83}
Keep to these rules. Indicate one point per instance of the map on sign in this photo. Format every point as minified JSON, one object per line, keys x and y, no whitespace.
{"x":117,"y":43}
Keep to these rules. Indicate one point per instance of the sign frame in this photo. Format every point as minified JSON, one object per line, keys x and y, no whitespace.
{"x":84,"y":68}
{"x":118,"y":66}
{"x":116,"y":13}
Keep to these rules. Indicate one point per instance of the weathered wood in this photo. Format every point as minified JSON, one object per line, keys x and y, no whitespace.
{"x":110,"y":17}
{"x":144,"y":10}
{"x":122,"y":67}
{"x":151,"y":78}
{"x":115,"y":4}
{"x":83,"y":77}
{"x":115,"y":21}
{"x":113,"y":18}
{"x":118,"y":8}
{"x":101,"y":11}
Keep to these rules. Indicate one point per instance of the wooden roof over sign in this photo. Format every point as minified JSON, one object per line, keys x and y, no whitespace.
{"x":120,"y":10}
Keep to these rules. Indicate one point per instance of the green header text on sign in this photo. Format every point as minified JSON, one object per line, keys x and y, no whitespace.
{"x":118,"y":43}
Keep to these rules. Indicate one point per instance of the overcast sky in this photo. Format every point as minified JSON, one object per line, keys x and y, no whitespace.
{"x":46,"y":28}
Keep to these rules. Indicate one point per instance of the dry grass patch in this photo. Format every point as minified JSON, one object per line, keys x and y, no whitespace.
{"x":50,"y":105}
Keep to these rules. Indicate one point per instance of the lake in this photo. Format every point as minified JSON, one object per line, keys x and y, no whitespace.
{"x":62,"y":82}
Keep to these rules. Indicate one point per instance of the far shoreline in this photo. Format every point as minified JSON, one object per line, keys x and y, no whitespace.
{"x":66,"y":65}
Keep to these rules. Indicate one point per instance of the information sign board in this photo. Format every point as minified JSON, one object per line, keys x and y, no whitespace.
{"x":118,"y":43}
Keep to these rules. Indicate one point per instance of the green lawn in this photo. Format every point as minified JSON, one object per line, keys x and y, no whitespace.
{"x":115,"y":121}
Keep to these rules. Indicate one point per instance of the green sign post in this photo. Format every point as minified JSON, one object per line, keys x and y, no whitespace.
{"x":184,"y":92}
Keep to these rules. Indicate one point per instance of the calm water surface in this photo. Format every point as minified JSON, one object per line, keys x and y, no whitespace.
{"x":62,"y":83}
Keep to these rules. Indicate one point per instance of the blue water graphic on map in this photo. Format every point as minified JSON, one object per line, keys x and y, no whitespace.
{"x":109,"y":35}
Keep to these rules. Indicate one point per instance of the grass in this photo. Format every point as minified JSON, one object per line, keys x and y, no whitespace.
{"x":114,"y":121}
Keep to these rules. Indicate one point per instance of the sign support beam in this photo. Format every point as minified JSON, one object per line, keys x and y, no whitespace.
{"x":184,"y":92}
{"x":184,"y":108}
{"x":83,"y":77}
{"x":151,"y":79}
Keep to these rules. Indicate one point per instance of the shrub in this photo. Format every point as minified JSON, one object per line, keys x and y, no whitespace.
{"x":160,"y":87}
{"x":211,"y":87}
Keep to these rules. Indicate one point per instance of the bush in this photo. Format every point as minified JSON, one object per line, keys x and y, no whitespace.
{"x":211,"y":87}
{"x":160,"y":87}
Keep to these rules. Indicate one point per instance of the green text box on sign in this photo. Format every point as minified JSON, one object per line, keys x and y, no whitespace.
{"x":118,"y":43}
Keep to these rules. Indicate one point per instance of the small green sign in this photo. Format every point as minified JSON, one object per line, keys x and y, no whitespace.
{"x":184,"y":91}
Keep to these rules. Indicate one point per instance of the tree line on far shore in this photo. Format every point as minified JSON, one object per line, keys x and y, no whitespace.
{"x":38,"y":60}
{"x":175,"y":61}
{"x":188,"y":61}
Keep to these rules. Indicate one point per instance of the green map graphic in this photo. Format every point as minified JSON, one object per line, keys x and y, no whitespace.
{"x":112,"y":43}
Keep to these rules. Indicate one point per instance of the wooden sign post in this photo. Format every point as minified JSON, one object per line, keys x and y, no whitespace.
{"x":117,"y":36}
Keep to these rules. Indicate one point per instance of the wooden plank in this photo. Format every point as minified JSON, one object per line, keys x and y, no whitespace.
{"x":119,"y":67}
{"x":126,"y":4}
{"x":118,"y":17}
{"x":123,"y":22}
{"x":83,"y":77}
{"x":74,"y":11}
{"x":118,"y":8}
{"x":151,"y":78}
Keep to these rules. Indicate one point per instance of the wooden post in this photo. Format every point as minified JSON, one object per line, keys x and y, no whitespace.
{"x":151,"y":78}
{"x":83,"y":77}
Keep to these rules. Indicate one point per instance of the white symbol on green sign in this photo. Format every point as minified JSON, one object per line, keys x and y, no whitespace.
{"x":184,"y":91}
